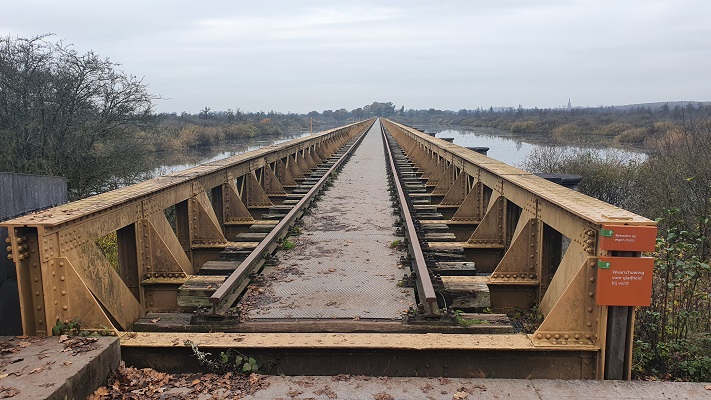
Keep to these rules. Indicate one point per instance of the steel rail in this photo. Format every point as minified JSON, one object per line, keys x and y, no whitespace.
{"x":227,"y":293}
{"x":425,"y":290}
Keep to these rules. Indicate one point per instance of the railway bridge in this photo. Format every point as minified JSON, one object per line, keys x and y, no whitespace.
{"x":372,"y":248}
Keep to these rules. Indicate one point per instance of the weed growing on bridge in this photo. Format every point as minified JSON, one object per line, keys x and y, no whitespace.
{"x":462,"y":321}
{"x":287,"y":245}
{"x":230,"y":360}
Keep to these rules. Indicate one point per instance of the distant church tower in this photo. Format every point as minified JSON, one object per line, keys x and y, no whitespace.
{"x":570,"y":107}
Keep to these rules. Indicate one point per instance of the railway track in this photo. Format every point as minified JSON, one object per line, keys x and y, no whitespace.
{"x":264,"y":294}
{"x":397,"y":269}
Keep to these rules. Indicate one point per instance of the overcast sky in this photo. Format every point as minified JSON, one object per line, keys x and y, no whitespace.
{"x":298,"y":56}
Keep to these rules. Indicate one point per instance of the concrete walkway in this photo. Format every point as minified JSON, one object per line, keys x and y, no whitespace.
{"x":341,"y":266}
{"x":358,"y":387}
{"x":55,"y":367}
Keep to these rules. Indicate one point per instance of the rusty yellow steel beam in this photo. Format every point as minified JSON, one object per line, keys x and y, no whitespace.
{"x":63,"y":275}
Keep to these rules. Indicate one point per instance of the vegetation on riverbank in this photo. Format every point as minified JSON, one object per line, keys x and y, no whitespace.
{"x":673,"y":186}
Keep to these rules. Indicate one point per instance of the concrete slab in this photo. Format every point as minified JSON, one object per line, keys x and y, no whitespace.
{"x":380,"y":388}
{"x":51,"y":368}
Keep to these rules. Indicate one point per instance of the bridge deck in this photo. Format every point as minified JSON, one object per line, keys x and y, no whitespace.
{"x":341,"y":266}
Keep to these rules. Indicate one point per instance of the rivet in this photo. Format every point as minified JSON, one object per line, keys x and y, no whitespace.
{"x":589,"y":324}
{"x":592,"y":279}
{"x":557,"y":336}
{"x":61,"y":278}
{"x":591,"y":294}
{"x":36,"y":279}
{"x":539,"y":336}
{"x":40,"y":322}
{"x":64,"y":292}
{"x":61,"y":263}
{"x":548,"y":336}
{"x":565,"y":337}
{"x":56,"y":302}
{"x":590,"y":309}
{"x":39,"y":307}
{"x":65,"y":307}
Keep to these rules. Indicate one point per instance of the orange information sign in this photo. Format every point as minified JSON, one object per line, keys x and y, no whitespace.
{"x":624,"y":281}
{"x":628,"y":237}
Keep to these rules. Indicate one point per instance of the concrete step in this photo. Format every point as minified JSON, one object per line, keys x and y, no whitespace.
{"x":430,"y":215}
{"x":196,"y":291}
{"x":263,"y":226}
{"x":218,"y":267}
{"x":466,"y":292}
{"x":234,"y":254}
{"x":251,"y":236}
{"x":440,"y":237}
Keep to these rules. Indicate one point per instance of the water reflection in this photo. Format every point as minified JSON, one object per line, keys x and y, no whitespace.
{"x":515,"y":149}
{"x":169,"y":162}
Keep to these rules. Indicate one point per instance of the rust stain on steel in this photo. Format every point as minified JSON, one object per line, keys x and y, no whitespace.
{"x":103,"y":202}
{"x":224,"y":296}
{"x":569,"y":201}
{"x":428,"y":297}
{"x":403,"y":341}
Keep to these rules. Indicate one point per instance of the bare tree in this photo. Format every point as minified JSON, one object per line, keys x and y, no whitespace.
{"x":69,"y":114}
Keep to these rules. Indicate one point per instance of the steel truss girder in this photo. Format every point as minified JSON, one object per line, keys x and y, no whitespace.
{"x":483,"y":192}
{"x":62,"y":273}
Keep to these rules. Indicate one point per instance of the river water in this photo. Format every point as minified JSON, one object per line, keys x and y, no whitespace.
{"x":503,"y":146}
{"x":514,"y":149}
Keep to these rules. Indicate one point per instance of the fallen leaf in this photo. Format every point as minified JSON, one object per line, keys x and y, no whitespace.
{"x":67,"y":363}
{"x":34,"y":371}
{"x":102,"y":391}
{"x":63,"y":338}
{"x":707,"y":387}
{"x":8,"y":392}
{"x":460,"y":396}
{"x":3,"y":376}
{"x":24,"y":344}
{"x":155,"y":320}
{"x":21,"y":337}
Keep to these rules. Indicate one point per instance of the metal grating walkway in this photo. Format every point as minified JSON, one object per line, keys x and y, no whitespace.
{"x":341,"y":266}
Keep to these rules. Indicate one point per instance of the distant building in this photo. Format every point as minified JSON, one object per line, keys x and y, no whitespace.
{"x":570,"y":106}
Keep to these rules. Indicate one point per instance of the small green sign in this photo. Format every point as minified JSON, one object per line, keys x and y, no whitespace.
{"x":603,"y":265}
{"x":606,"y":232}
